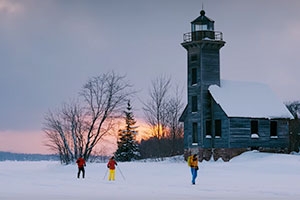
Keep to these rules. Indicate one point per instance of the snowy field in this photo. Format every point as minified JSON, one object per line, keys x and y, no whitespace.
{"x":252,"y":175}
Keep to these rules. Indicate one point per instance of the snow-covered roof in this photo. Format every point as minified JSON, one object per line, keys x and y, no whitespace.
{"x":248,"y":99}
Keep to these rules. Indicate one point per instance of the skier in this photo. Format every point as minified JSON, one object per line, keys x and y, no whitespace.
{"x":81,"y":164}
{"x":111,"y":165}
{"x":193,"y":163}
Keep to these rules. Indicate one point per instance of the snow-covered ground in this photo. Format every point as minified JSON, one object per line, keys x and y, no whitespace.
{"x":252,"y":175}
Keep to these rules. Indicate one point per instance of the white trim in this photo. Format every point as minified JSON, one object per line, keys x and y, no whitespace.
{"x":254,"y":136}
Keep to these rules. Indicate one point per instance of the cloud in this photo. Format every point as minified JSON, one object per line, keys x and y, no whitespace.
{"x":10,"y":7}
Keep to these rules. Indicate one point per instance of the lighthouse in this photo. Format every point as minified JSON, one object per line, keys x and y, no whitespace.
{"x":225,"y":118}
{"x":203,"y":46}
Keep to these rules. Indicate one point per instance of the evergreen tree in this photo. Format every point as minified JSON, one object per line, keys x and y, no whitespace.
{"x":127,"y":145}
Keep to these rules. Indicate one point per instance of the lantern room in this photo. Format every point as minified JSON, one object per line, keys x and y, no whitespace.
{"x":202,"y":27}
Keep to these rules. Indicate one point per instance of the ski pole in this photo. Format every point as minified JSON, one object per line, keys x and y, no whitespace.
{"x":121,"y":173}
{"x":105,"y":174}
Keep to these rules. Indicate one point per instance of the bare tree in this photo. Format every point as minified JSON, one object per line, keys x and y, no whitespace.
{"x":162,"y":112}
{"x":155,"y":109}
{"x":174,"y":110}
{"x":57,"y":136}
{"x":294,"y":108}
{"x":77,"y":128}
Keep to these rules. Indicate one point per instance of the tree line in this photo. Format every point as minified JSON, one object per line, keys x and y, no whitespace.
{"x":79,"y":126}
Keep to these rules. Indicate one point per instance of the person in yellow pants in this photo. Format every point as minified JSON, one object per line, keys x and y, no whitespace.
{"x":111,"y":165}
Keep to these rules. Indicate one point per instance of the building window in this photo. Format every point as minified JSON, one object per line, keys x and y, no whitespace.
{"x":208,"y":128}
{"x":254,"y":129}
{"x":194,"y":57}
{"x":218,"y":128}
{"x":273,"y":129}
{"x":194,"y":104}
{"x":201,"y":27}
{"x":194,"y":76}
{"x":195,"y":133}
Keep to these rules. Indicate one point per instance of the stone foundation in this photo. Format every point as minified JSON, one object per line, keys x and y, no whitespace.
{"x":207,"y":154}
{"x":226,"y":154}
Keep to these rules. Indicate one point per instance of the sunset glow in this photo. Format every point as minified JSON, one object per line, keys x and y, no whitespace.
{"x":23,"y":142}
{"x":34,"y":141}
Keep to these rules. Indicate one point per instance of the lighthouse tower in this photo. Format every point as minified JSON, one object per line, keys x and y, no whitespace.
{"x":224,"y":118}
{"x":203,"y":46}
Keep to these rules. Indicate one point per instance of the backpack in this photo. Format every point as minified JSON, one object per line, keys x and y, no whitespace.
{"x":189,"y":161}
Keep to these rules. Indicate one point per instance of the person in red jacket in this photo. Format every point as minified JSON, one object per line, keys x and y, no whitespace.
{"x":112,"y":166}
{"x":81,"y":164}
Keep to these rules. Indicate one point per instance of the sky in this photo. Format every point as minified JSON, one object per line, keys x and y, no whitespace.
{"x":49,"y":49}
{"x":252,"y":175}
